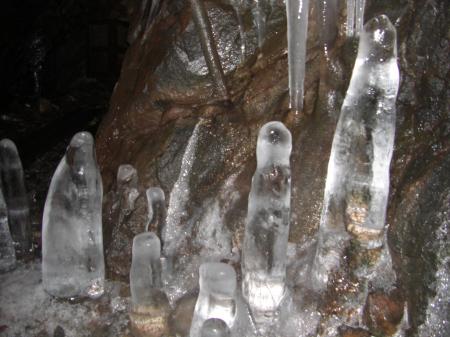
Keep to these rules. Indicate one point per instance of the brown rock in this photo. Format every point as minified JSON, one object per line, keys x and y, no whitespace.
{"x":383,"y":312}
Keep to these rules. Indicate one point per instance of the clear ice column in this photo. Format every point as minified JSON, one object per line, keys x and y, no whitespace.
{"x":72,"y":240}
{"x":156,"y":204}
{"x":297,"y":31}
{"x":15,"y":194}
{"x":215,"y":327}
{"x":357,"y":185}
{"x":149,"y":304}
{"x":7,"y":251}
{"x":217,"y":296}
{"x":267,"y":224}
{"x":328,"y":12}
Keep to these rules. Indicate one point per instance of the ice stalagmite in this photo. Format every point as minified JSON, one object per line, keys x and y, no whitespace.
{"x":357,"y":185}
{"x":15,"y":194}
{"x":7,"y":251}
{"x":297,"y":22}
{"x":355,"y":17}
{"x":215,"y":327}
{"x":267,"y":224}
{"x":72,"y":241}
{"x":203,"y":26}
{"x":149,"y":304}
{"x":156,"y":203}
{"x":217,"y":297}
{"x":127,"y":190}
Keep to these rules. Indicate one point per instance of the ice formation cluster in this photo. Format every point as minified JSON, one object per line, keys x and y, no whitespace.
{"x":354,"y":205}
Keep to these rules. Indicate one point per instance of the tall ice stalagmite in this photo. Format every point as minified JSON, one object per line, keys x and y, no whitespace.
{"x":15,"y":194}
{"x":72,"y":240}
{"x":357,"y":185}
{"x":297,"y":32}
{"x":267,"y":224}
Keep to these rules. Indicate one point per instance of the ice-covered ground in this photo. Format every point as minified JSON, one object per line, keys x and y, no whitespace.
{"x":27,"y":310}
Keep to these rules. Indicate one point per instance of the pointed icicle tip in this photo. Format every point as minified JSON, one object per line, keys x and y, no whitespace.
{"x":274,"y":144}
{"x":378,"y":41}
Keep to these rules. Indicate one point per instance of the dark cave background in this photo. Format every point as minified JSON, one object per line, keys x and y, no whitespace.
{"x":59,"y":61}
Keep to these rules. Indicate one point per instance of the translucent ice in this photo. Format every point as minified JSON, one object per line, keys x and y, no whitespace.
{"x":215,"y":327}
{"x":297,"y":21}
{"x":328,"y":19}
{"x":357,"y":184}
{"x":145,"y":272}
{"x":259,"y":11}
{"x":7,"y":251}
{"x":156,"y":202}
{"x":267,"y":224}
{"x":149,"y":304}
{"x":173,"y":232}
{"x":15,"y":194}
{"x":203,"y":26}
{"x":355,"y":17}
{"x":217,"y":297}
{"x":238,"y":6}
{"x":127,"y":189}
{"x":72,"y":241}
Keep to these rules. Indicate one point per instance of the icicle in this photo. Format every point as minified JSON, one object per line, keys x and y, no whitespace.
{"x":204,"y":31}
{"x":156,"y":203}
{"x":355,"y":17}
{"x":238,"y":6}
{"x":259,"y":12}
{"x":328,"y":17}
{"x":297,"y":21}
{"x":72,"y":240}
{"x":357,"y":185}
{"x":149,"y":304}
{"x":7,"y":252}
{"x":15,"y":194}
{"x":267,"y":224}
{"x":359,"y":16}
{"x":217,"y":297}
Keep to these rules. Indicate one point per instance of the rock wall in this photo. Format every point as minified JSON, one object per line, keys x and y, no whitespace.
{"x":164,"y":91}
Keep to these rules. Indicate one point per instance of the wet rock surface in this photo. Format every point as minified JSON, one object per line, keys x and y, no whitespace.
{"x":173,"y":96}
